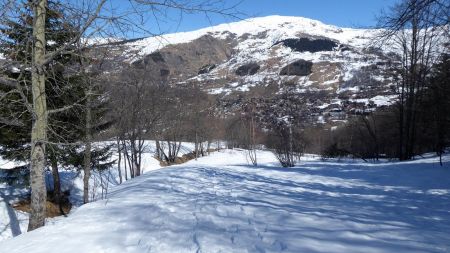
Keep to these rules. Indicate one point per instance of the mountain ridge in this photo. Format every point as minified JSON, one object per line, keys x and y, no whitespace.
{"x":257,"y":24}
{"x":333,"y":71}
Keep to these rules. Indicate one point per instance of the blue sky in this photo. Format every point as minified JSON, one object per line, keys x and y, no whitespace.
{"x":347,"y":13}
{"x":344,"y":13}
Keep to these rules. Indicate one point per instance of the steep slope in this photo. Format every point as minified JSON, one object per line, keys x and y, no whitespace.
{"x":334,"y":68}
{"x":221,"y":204}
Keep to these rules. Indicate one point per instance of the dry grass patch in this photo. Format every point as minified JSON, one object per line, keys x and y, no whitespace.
{"x":53,"y":209}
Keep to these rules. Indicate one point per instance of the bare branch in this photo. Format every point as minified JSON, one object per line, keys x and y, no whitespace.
{"x":65,"y":108}
{"x":49,"y":57}
{"x":11,"y":122}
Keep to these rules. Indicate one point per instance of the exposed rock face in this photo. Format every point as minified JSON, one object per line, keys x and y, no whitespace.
{"x":297,"y":68}
{"x":248,"y":69}
{"x":156,"y":57}
{"x":309,"y":45}
{"x":326,"y":74}
{"x":180,"y":61}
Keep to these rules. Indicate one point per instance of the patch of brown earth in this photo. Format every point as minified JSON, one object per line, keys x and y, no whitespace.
{"x":184,"y":158}
{"x":52,"y":208}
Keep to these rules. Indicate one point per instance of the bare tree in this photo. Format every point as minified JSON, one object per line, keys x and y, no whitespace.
{"x":250,"y":119}
{"x":198,"y":108}
{"x":418,"y":30}
{"x":437,"y":105}
{"x":139,"y":104}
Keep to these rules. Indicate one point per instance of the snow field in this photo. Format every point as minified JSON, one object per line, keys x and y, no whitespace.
{"x":221,"y":204}
{"x":14,"y":222}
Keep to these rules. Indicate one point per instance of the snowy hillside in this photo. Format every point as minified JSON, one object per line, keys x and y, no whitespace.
{"x":327,"y":65}
{"x":281,"y":27}
{"x":221,"y":204}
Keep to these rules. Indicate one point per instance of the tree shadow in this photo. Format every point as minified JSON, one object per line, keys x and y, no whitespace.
{"x":317,"y":207}
{"x":14,"y":223}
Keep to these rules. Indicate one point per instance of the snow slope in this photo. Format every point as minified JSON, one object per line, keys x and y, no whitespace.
{"x":283,"y":27}
{"x":221,"y":204}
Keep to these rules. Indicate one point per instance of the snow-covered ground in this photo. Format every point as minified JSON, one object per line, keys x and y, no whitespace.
{"x":221,"y":204}
{"x":14,"y":222}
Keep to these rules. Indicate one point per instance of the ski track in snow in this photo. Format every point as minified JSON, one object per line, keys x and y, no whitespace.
{"x":221,"y":204}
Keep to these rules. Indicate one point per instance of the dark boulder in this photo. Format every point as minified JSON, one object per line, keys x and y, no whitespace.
{"x":157,"y":57}
{"x":164,"y":72}
{"x":309,"y":45}
{"x":152,"y":58}
{"x":206,"y":69}
{"x":297,"y":68}
{"x":345,"y":48}
{"x":247,"y":69}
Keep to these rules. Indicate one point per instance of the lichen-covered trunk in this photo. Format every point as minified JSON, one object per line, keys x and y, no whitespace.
{"x":39,"y":129}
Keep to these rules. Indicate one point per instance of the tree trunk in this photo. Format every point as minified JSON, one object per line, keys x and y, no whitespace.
{"x":88,"y":146}
{"x":119,"y":161}
{"x":202,"y":148}
{"x":125,"y":169}
{"x":57,"y":194}
{"x":177,"y":149}
{"x":141,"y":143}
{"x":169,"y":145}
{"x":196,"y":145}
{"x":291,"y":150}
{"x":101,"y":182}
{"x":135,"y":157}
{"x":56,"y":181}
{"x":87,"y":172}
{"x":128,"y":159}
{"x":158,"y":150}
{"x":39,"y":129}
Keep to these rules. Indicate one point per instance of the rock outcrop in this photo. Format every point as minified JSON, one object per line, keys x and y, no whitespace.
{"x":309,"y":45}
{"x":248,"y":69}
{"x":297,"y":68}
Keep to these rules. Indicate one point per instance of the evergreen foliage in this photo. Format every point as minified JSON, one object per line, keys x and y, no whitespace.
{"x":65,"y":87}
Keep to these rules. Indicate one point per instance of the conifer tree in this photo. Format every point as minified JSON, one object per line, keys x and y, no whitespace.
{"x":62,"y":89}
{"x":16,"y":46}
